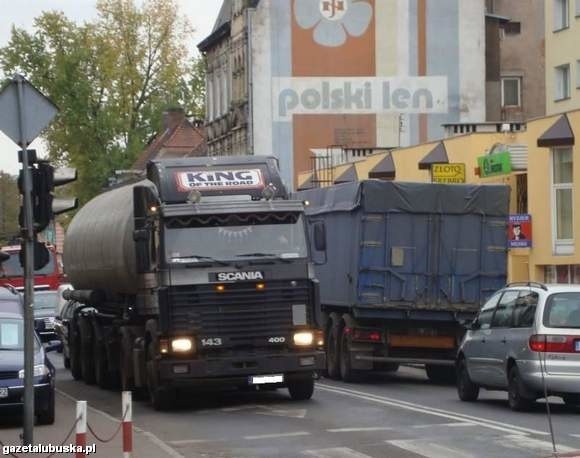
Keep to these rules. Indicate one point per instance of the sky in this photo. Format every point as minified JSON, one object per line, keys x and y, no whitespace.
{"x":201,"y":14}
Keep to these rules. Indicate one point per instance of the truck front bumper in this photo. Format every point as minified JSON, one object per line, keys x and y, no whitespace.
{"x":237,"y":370}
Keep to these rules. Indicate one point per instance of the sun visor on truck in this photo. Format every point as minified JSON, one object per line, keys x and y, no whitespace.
{"x":386,"y":196}
{"x":216,"y":176}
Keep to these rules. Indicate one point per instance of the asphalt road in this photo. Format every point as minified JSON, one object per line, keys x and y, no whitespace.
{"x":399,"y":415}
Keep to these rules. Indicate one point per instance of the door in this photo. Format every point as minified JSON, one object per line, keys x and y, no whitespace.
{"x":498,"y":342}
{"x":475,"y":344}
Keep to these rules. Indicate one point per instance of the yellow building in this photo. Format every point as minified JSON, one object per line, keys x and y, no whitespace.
{"x":562,"y":55}
{"x":544,"y":183}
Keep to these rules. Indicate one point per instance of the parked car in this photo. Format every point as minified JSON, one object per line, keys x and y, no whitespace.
{"x":45,"y":304}
{"x":12,"y":365}
{"x":61,"y":300}
{"x":63,"y":331}
{"x":526,"y":341}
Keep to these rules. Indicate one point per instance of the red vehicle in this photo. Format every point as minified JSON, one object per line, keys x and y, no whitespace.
{"x":12,"y":273}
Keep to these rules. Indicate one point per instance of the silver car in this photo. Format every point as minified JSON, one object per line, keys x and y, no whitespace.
{"x":526,"y":341}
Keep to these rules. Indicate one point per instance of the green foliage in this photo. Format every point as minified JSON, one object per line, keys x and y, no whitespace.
{"x":111,"y":79}
{"x":9,"y":208}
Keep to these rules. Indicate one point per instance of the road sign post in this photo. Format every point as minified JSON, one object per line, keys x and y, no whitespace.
{"x":24,"y":112}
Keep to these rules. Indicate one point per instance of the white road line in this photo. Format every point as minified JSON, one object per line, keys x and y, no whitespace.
{"x":531,"y":444}
{"x":185,"y":442}
{"x":152,"y":437}
{"x":338,"y":452}
{"x":357,"y":430}
{"x":575,"y":435}
{"x":276,"y":436}
{"x":447,"y":425}
{"x":491,"y":424}
{"x":429,"y":449}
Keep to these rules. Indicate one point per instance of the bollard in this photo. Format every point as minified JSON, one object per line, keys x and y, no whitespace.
{"x":81,"y":430}
{"x":127,"y":425}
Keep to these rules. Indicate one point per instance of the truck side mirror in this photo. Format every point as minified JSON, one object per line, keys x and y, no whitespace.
{"x":319,"y":236}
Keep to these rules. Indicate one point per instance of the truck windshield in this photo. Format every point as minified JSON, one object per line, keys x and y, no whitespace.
{"x":235,"y":237}
{"x":12,"y":268}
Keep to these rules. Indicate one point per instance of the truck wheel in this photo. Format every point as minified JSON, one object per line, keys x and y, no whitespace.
{"x":102,"y":376}
{"x":347,"y":373}
{"x":301,"y":389}
{"x":75,"y":358}
{"x":516,"y":399}
{"x":126,"y":362}
{"x":466,"y":389}
{"x":86,"y":353}
{"x":66,"y":362}
{"x":46,"y":416}
{"x":441,"y":374}
{"x":333,"y":349}
{"x":162,"y":398}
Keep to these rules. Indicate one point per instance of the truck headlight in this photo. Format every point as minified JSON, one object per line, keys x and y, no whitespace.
{"x":181,"y":345}
{"x":303,"y":338}
{"x":38,"y":371}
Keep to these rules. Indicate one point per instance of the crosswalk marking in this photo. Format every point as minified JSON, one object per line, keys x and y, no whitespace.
{"x":337,"y":452}
{"x":276,"y":436}
{"x":529,"y":443}
{"x":429,"y":449}
{"x":359,"y":430}
{"x":447,"y":425}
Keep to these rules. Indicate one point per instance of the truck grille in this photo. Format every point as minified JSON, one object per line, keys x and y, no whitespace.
{"x":241,"y":315}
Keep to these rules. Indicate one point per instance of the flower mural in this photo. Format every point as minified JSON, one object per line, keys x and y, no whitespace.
{"x":333,"y":20}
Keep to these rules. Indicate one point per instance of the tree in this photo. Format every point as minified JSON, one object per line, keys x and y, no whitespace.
{"x":111,"y":79}
{"x":9,"y":208}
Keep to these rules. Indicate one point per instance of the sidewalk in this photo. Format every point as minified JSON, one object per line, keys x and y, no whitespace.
{"x":144,"y":446}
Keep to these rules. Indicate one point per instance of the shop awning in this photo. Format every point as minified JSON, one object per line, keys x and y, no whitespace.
{"x":437,"y":155}
{"x":348,"y":176}
{"x":385,"y":169}
{"x":560,"y":134}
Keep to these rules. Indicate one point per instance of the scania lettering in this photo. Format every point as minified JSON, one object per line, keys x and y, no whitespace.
{"x":193,"y":290}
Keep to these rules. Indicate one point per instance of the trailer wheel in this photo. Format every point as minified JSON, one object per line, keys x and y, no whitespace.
{"x":126,"y":361}
{"x":441,"y":374}
{"x":75,"y":357}
{"x":301,"y":389}
{"x":333,"y":348}
{"x":86,"y":352}
{"x":102,"y":376}
{"x":162,"y":398}
{"x":66,"y":362}
{"x":347,"y":373}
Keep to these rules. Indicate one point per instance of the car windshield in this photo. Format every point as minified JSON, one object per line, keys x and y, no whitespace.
{"x":235,"y":237}
{"x":11,"y":334}
{"x":45,"y":300}
{"x":12,"y":268}
{"x":563,"y":311}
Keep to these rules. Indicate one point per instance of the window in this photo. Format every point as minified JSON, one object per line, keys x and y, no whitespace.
{"x":513,"y":28}
{"x":562,"y":200}
{"x":577,"y":8}
{"x":505,"y":310}
{"x":566,"y":274}
{"x":525,"y":309}
{"x":563,"y":311}
{"x":560,"y":14}
{"x":483,"y":320}
{"x":511,"y":92}
{"x":562,"y":82}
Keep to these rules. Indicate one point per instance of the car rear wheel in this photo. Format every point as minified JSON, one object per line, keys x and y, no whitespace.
{"x":516,"y":398}
{"x":466,"y":389}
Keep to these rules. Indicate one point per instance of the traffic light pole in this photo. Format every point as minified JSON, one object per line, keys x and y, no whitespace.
{"x":28,"y":247}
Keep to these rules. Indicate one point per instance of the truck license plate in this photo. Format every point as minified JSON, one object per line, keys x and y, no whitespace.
{"x":3,"y":392}
{"x":577,"y":345}
{"x":265,"y":379}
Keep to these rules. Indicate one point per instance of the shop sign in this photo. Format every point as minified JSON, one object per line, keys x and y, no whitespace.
{"x":494,"y":164}
{"x":448,"y":173}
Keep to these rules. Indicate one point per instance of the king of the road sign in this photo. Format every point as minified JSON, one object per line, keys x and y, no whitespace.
{"x":448,"y":173}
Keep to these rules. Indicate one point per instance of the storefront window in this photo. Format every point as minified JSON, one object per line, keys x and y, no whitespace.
{"x":564,"y":274}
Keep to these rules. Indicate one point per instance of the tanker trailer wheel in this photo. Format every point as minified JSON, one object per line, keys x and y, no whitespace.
{"x":102,"y":375}
{"x":75,"y":357}
{"x":86,"y":351}
{"x":162,"y":398}
{"x":126,"y":361}
{"x":333,"y":347}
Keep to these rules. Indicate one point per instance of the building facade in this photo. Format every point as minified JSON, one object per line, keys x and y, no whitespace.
{"x":562,"y":55}
{"x":515,"y":81}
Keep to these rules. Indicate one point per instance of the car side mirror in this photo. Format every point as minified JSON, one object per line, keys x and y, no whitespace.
{"x":320,"y":236}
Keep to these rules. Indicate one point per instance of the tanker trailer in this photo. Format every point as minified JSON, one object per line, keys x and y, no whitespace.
{"x":196,"y":276}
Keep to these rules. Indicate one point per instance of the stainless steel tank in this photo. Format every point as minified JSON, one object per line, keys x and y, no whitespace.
{"x":99,"y":251}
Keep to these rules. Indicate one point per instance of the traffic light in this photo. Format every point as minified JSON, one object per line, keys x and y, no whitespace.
{"x":44,"y":205}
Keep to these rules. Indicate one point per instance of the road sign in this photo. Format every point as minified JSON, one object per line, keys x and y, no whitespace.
{"x":37,"y":111}
{"x":448,"y":173}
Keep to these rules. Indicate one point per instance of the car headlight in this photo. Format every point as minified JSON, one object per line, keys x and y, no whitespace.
{"x":303,"y":338}
{"x":38,"y":371}
{"x":182,"y":345}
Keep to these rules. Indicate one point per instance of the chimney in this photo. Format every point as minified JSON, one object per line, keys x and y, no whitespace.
{"x":173,"y":117}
